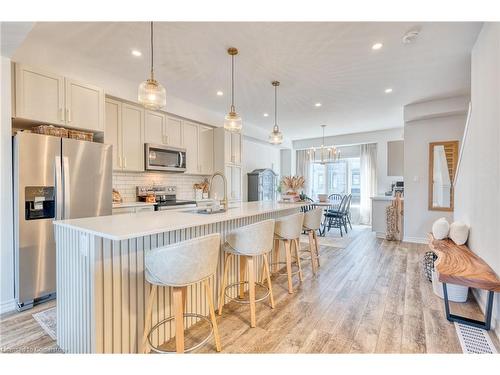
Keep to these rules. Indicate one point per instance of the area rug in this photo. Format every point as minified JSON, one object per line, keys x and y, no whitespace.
{"x":48,"y":321}
{"x":333,"y":239}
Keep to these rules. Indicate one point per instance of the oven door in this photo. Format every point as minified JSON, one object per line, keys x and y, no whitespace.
{"x":161,"y":158}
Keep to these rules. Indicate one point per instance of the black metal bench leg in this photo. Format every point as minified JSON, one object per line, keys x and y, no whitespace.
{"x":468,"y":321}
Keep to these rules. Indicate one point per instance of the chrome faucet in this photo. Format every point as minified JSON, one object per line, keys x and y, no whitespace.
{"x":224,"y":200}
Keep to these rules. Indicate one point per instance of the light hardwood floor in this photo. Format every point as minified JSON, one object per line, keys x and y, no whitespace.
{"x":370,"y":297}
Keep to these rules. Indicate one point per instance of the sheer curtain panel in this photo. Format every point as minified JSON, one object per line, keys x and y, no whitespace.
{"x":368,"y":176}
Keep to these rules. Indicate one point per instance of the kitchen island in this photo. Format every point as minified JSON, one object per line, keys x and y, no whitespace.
{"x":101,"y":289}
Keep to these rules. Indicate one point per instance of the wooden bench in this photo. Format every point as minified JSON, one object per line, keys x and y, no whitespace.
{"x":457,"y":264}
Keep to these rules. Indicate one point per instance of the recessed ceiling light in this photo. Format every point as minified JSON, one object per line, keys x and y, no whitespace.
{"x":317,"y":105}
{"x":388,"y":91}
{"x":220,"y":93}
{"x":266,"y":114}
{"x":377,"y":46}
{"x":136,"y":53}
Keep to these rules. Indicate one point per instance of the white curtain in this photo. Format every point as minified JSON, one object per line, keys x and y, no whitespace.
{"x":303,"y":167}
{"x":368,"y":176}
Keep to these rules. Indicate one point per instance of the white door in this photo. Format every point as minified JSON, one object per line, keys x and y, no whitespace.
{"x":173,"y":132}
{"x":235,"y":192}
{"x":132,"y":137}
{"x":112,"y":131}
{"x":39,"y":95}
{"x":190,"y":140}
{"x":84,"y":106}
{"x":154,"y":128}
{"x":236,"y":148}
{"x":206,"y":149}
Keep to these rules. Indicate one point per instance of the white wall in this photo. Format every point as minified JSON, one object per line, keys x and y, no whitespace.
{"x":380,"y":137}
{"x":477,"y":191}
{"x":6,"y":222}
{"x":258,"y":154}
{"x":418,"y":134}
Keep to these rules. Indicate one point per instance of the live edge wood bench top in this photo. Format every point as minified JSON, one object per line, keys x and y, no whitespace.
{"x":457,"y":264}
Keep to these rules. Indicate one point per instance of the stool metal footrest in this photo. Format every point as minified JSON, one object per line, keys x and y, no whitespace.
{"x":186,"y":315}
{"x":245,"y":301}
{"x":284,"y":263}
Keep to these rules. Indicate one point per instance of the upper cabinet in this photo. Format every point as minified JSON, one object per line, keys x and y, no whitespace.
{"x":154,"y":128}
{"x":84,"y":106}
{"x":39,"y":95}
{"x":112,"y":132}
{"x":173,"y":132}
{"x":46,"y":97}
{"x":206,"y":149}
{"x":227,"y":158}
{"x":190,"y":143}
{"x":236,"y":148}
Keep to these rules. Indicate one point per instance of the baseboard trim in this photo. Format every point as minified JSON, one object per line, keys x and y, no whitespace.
{"x":478,"y":295}
{"x":7,"y":306}
{"x":415,"y":239}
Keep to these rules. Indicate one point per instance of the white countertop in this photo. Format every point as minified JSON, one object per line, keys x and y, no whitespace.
{"x":121,"y":227}
{"x":384,"y":198}
{"x":132,"y":204}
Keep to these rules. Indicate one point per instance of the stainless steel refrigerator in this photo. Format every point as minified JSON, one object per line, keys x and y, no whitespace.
{"x":54,"y":178}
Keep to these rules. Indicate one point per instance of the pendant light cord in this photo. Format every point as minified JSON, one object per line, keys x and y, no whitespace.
{"x":152,"y":69}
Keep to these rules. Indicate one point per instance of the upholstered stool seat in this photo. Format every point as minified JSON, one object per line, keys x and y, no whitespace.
{"x":248,"y":243}
{"x":287,"y":230}
{"x":178,"y":266}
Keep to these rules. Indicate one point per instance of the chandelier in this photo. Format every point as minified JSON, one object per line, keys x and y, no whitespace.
{"x":324,"y":155}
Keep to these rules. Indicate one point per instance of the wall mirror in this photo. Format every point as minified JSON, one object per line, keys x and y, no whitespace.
{"x":443,"y":158}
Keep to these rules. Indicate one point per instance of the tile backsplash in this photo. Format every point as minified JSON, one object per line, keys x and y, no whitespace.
{"x":125,"y":183}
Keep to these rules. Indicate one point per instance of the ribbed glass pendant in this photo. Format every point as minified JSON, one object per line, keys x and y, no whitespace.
{"x":276,"y":137}
{"x":232,"y":121}
{"x":151,"y":93}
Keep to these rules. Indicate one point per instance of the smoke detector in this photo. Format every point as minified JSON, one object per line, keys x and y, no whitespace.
{"x":411,"y":35}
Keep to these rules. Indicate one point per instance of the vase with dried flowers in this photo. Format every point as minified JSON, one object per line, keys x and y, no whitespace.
{"x":293,"y":184}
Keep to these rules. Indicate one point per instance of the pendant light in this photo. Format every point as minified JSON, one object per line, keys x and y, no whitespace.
{"x":327,"y":155}
{"x":276,"y":137}
{"x":232,"y":121}
{"x":152,"y":94}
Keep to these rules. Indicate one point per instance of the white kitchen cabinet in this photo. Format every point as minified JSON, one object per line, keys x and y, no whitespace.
{"x":84,"y":106}
{"x":205,"y":149}
{"x":132,"y":209}
{"x":155,"y":124}
{"x":173,"y":132}
{"x":46,"y":97}
{"x":235,"y":191}
{"x":132,"y":123}
{"x":227,"y":158}
{"x":112,"y":133}
{"x":190,"y":143}
{"x":39,"y":95}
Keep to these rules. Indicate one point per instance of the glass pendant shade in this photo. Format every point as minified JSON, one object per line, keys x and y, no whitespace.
{"x":276,"y":137}
{"x":233,"y":122}
{"x":152,"y":94}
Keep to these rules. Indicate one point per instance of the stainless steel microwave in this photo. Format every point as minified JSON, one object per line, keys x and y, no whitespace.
{"x":164,"y":158}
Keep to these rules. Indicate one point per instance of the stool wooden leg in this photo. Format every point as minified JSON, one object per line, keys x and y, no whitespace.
{"x":208,"y":291}
{"x":147,"y":323}
{"x":312,"y":251}
{"x":296,"y":243}
{"x":288,"y":255}
{"x":179,"y":319}
{"x":243,"y":268}
{"x":268,"y":277}
{"x":276,"y":255}
{"x":316,"y":246}
{"x":251,"y":288}
{"x":224,"y":283}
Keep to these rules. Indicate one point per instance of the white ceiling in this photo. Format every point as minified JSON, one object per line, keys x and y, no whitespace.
{"x":331,"y":63}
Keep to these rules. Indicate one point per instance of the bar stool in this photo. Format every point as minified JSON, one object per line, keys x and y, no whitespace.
{"x":178,"y":266}
{"x":312,"y":223}
{"x":248,"y":243}
{"x":288,"y":229}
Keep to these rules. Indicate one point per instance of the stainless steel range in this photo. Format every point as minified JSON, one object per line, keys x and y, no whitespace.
{"x":165,"y":197}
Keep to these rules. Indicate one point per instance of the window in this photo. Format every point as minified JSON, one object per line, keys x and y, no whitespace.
{"x":341,"y":177}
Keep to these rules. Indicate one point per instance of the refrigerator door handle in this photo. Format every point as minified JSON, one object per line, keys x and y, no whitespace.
{"x":59,"y":187}
{"x":67,"y":190}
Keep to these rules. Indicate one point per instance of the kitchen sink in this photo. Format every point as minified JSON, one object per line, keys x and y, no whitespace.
{"x":207,"y":212}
